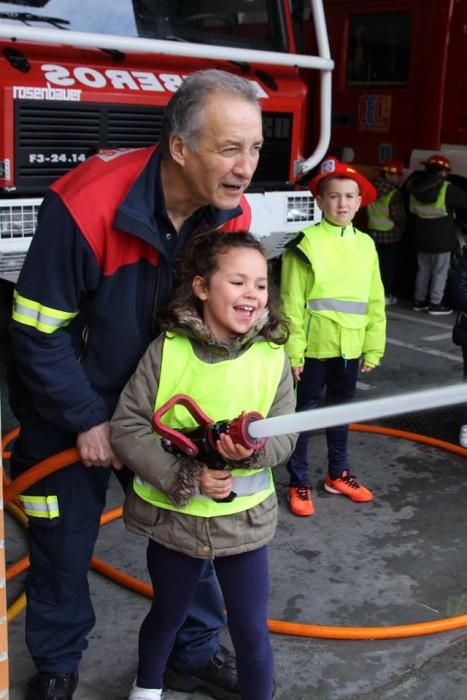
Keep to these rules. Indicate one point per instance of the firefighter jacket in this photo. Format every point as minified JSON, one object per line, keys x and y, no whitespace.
{"x":86,"y":301}
{"x":433,"y":203}
{"x":332,"y":295}
{"x":133,"y":439}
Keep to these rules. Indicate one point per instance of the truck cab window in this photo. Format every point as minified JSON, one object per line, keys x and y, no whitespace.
{"x":379,"y":49}
{"x":253,"y":24}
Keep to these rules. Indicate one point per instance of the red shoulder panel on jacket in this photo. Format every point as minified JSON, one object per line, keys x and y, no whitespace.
{"x":242,"y":222}
{"x":92,"y":193}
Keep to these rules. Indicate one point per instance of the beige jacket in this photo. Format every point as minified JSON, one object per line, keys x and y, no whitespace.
{"x":133,"y":440}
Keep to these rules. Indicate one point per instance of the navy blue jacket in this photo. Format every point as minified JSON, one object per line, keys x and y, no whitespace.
{"x":69,"y":381}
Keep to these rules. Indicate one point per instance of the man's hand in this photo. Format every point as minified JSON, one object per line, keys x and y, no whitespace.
{"x":365,"y":369}
{"x":94,"y":448}
{"x":215,"y":483}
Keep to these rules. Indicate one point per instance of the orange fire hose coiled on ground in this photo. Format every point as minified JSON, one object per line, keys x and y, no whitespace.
{"x":67,"y":457}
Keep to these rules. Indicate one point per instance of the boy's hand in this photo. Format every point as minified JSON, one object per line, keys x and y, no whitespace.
{"x":366,"y":368}
{"x":297,"y":373}
{"x":215,"y":483}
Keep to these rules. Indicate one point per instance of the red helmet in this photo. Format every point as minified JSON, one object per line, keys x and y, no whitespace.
{"x":393,"y":167}
{"x":438,"y":161}
{"x":331,"y":167}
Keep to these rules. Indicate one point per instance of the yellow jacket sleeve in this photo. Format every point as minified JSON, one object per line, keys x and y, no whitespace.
{"x":296,"y":279}
{"x":375,"y":332}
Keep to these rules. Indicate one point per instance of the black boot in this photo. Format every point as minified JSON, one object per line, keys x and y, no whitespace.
{"x":218,"y":678}
{"x":52,"y":686}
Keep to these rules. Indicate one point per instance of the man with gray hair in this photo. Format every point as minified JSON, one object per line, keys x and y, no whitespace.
{"x":99,"y":268}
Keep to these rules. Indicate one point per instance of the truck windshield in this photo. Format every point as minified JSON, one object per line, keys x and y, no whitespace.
{"x":255,"y":24}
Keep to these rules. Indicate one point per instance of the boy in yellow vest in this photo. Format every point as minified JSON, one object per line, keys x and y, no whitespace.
{"x":333,"y":298}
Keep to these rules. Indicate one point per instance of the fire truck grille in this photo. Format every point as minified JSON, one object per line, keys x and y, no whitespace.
{"x":18,"y":219}
{"x":53,"y":137}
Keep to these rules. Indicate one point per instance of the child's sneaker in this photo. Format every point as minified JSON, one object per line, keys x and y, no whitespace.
{"x":390,"y":299}
{"x":439,"y":310}
{"x":347,"y":485}
{"x":138,"y":693}
{"x":300,"y":502}
{"x":463,"y":436}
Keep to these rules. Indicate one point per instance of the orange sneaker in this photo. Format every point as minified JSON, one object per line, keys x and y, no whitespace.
{"x":347,"y":485}
{"x":300,"y":502}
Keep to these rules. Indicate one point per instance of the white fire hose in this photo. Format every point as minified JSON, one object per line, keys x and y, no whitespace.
{"x":315,"y":419}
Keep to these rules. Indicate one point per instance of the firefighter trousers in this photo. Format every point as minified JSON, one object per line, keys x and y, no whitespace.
{"x":64,"y":514}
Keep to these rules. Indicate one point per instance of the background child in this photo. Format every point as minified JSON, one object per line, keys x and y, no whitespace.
{"x":386,"y":223}
{"x":333,"y":298}
{"x":223,"y":347}
{"x":433,"y":203}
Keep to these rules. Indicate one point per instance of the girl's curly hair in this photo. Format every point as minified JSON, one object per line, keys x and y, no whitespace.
{"x":200,"y":257}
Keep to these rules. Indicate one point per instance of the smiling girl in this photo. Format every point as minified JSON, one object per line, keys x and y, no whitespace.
{"x":223,"y":346}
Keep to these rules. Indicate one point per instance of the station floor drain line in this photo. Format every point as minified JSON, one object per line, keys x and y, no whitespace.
{"x":296,"y":629}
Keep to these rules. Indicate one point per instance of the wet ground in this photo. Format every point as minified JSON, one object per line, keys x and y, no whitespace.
{"x":399,"y":560}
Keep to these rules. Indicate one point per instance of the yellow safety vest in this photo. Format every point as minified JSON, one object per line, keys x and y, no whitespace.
{"x":222,"y":390}
{"x":432,"y":210}
{"x":378,"y":213}
{"x":339,"y":265}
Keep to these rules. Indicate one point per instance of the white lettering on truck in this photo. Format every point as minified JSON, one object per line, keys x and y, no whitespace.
{"x":118,"y":79}
{"x":25,"y":92}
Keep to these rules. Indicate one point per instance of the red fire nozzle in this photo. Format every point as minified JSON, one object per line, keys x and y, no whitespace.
{"x":236,"y":428}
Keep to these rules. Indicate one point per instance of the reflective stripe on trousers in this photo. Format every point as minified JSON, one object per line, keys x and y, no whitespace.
{"x":40,"y":506}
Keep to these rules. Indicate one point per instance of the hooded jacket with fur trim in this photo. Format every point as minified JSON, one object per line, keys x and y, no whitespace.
{"x":133,"y":440}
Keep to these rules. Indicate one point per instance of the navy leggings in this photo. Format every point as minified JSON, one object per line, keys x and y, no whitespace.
{"x":336,"y":378}
{"x":244,"y":580}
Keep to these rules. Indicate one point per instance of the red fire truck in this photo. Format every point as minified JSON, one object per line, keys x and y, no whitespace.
{"x":398,"y":87}
{"x":76,"y":78}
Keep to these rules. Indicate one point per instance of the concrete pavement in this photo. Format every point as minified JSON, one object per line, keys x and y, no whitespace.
{"x":398,"y":560}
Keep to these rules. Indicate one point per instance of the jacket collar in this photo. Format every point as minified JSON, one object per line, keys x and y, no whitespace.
{"x":190,"y":324}
{"x":336,"y":230}
{"x":135,"y":214}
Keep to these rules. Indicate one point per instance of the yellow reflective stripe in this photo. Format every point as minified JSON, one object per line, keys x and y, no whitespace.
{"x":44,"y":318}
{"x":41,"y":506}
{"x":205,"y":507}
{"x":246,"y":482}
{"x":347,"y":307}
